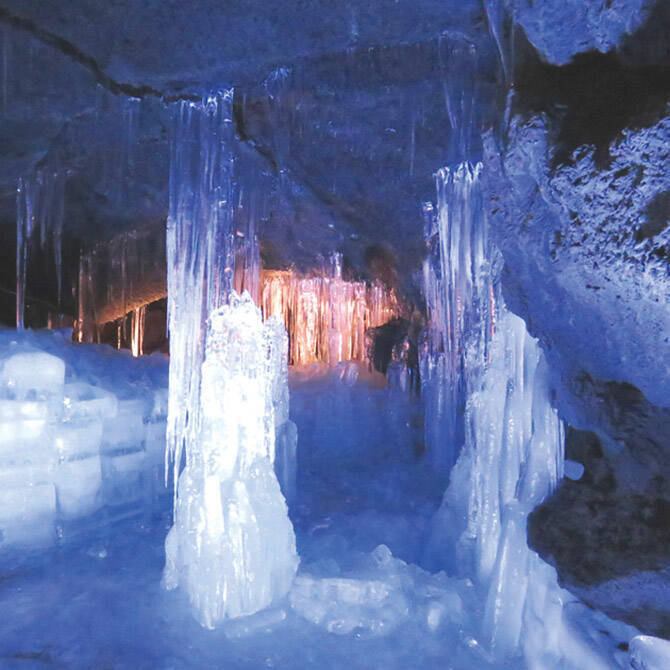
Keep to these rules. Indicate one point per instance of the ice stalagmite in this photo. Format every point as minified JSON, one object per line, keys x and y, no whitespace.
{"x":232,"y":546}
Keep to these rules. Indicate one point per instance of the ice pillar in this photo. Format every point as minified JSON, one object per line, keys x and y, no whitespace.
{"x":232,"y":546}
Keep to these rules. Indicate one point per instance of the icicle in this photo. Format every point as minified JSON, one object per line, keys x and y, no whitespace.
{"x":39,"y":202}
{"x":23,"y":231}
{"x":137,"y":331}
{"x":199,"y":255}
{"x":459,"y":298}
{"x":5,"y":68}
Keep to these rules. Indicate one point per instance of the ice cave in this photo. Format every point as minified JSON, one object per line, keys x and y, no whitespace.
{"x":335,"y":335}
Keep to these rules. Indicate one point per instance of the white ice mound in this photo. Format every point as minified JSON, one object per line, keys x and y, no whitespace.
{"x":343,"y":605}
{"x":649,"y":653}
{"x":232,"y":547}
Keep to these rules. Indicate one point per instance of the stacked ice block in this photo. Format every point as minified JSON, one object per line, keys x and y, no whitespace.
{"x":69,"y":448}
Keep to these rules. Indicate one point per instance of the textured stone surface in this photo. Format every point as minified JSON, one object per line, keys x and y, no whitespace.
{"x":608,"y":536}
{"x":579,"y":266}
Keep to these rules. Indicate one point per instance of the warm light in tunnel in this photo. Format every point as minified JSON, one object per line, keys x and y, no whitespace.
{"x":326,"y":317}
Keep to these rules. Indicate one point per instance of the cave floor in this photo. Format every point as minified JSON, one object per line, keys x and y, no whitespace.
{"x":97,"y":602}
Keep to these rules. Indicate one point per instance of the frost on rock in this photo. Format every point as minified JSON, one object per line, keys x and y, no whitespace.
{"x":232,"y":547}
{"x":591,"y":240}
{"x":585,"y":25}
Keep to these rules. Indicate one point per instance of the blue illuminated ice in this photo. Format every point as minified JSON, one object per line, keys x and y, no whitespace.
{"x":232,"y":547}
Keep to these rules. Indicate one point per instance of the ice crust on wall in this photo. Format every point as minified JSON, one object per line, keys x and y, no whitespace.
{"x":232,"y":546}
{"x":74,"y":440}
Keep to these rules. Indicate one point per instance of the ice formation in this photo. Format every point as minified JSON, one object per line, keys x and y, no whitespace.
{"x":326,"y":316}
{"x":40,"y":200}
{"x":117,"y":279}
{"x":74,"y":440}
{"x":199,"y":254}
{"x":649,"y":653}
{"x":232,"y":546}
{"x":460,"y":301}
{"x":512,"y":457}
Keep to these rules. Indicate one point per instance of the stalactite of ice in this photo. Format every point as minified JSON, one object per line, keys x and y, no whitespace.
{"x":199,"y":254}
{"x":5,"y":68}
{"x":247,"y":247}
{"x":458,"y":61}
{"x":122,"y":275}
{"x":499,"y":25}
{"x":137,"y":330}
{"x":460,"y":301}
{"x":40,"y":201}
{"x":232,"y":546}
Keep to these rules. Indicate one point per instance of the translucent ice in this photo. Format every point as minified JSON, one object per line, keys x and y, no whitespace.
{"x":343,"y":605}
{"x":649,"y":653}
{"x":232,"y":546}
{"x":20,"y":375}
{"x":199,"y":252}
{"x":460,"y":301}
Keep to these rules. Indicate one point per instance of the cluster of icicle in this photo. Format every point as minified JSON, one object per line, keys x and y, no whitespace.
{"x":232,"y":546}
{"x":117,"y":279}
{"x":40,"y":202}
{"x":512,"y":457}
{"x":326,"y":317}
{"x":460,"y":299}
{"x":199,"y":253}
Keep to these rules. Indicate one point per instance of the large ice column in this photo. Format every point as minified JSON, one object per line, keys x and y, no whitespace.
{"x":232,"y":547}
{"x":512,"y":457}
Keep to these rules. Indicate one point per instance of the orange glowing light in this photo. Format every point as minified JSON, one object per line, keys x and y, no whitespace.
{"x":326,"y":317}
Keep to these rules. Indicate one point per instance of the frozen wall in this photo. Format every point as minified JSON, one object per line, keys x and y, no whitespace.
{"x":512,"y":457}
